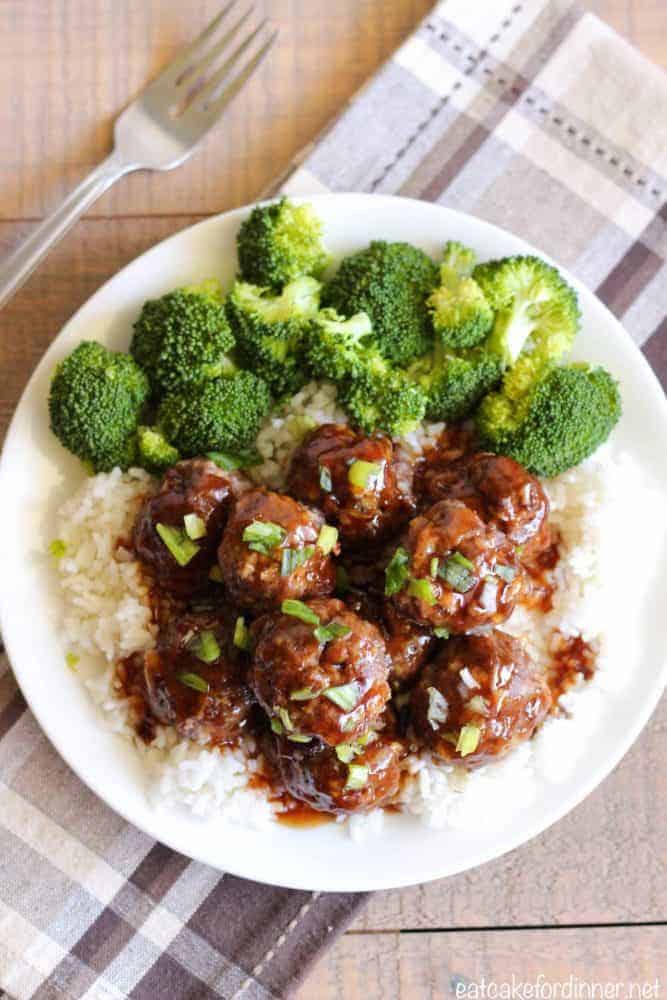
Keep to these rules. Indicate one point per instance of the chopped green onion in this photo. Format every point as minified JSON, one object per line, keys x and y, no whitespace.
{"x":241,"y":635}
{"x":334,"y":630}
{"x":327,"y":538}
{"x":345,"y":752}
{"x":194,"y":526}
{"x":206,"y":647}
{"x":57,"y":548}
{"x":367,"y":737}
{"x":277,"y":727}
{"x":441,"y":633}
{"x":350,"y":721}
{"x":195,"y":682}
{"x":433,"y":566}
{"x":456,"y":571}
{"x":506,"y":573}
{"x":182,"y":548}
{"x":325,"y":479}
{"x":478,"y":705}
{"x":396,"y":572}
{"x":303,"y":694}
{"x":366,"y":475}
{"x":438,"y":708}
{"x":291,"y":558}
{"x":357,"y":776}
{"x":468,"y":740}
{"x":422,"y":590}
{"x":297,"y":609}
{"x":263,"y":536}
{"x":215,"y":574}
{"x":285,"y":719}
{"x":342,"y":580}
{"x":71,"y":659}
{"x":231,"y":462}
{"x":519,"y":549}
{"x":299,"y":738}
{"x":345,"y":696}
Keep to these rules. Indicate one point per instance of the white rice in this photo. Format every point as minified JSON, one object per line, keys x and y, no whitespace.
{"x":107,"y":617}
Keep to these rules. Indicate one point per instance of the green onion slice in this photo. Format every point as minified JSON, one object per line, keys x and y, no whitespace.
{"x":366,"y":475}
{"x":441,"y":633}
{"x":422,"y":590}
{"x":350,"y":721}
{"x":241,"y":634}
{"x":291,"y":558}
{"x":334,"y":630}
{"x":433,"y":566}
{"x":506,"y":573}
{"x":71,"y":659}
{"x":182,"y":548}
{"x":303,"y":694}
{"x":284,"y":715}
{"x":357,"y":776}
{"x":206,"y":647}
{"x":231,"y":462}
{"x":195,"y":682}
{"x":194,"y":526}
{"x":325,"y":479}
{"x":438,"y":708}
{"x":327,"y":538}
{"x":345,"y":696}
{"x":342,"y":580}
{"x":57,"y":548}
{"x":215,"y":574}
{"x":345,"y":753}
{"x":263,"y":536}
{"x":277,"y":726}
{"x":396,"y":573}
{"x":478,"y":705}
{"x":299,"y":738}
{"x":456,"y":571}
{"x":297,"y":609}
{"x":468,"y":740}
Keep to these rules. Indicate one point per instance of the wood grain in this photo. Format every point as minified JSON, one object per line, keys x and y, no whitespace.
{"x":395,"y":966}
{"x":65,"y":74}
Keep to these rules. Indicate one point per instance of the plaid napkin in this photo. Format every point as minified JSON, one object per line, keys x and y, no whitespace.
{"x":531,"y":114}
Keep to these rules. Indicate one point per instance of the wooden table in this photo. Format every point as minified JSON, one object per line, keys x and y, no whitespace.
{"x":587,"y":898}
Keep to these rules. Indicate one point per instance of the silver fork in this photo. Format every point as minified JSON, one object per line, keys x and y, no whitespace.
{"x":158,"y":131}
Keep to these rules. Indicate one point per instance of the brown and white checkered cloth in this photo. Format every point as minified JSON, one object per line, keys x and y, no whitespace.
{"x":533,"y":115}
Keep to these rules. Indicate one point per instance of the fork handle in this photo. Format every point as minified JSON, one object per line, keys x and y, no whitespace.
{"x":23,"y":261}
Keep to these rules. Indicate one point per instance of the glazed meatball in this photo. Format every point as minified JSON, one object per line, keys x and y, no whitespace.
{"x":479,"y":698}
{"x":200,"y":491}
{"x":364,"y":484}
{"x":409,"y":644}
{"x":454,"y":572}
{"x":497,"y":488}
{"x":316,"y":775}
{"x":194,"y":679}
{"x":272,"y":549}
{"x":323,"y":677}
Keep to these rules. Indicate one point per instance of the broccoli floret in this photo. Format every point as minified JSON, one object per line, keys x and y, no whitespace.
{"x":219,"y":414}
{"x":386,"y":402}
{"x":269,"y":330}
{"x":461,"y":314}
{"x":558,"y":422}
{"x":155,"y":452}
{"x":280,"y":242}
{"x":455,"y":382}
{"x":183,"y":338}
{"x":95,"y":403}
{"x":390,"y":282}
{"x":337,"y":348}
{"x":536,"y":311}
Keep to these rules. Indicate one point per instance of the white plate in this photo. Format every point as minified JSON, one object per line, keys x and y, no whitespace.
{"x":36,"y":473}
